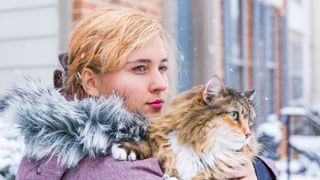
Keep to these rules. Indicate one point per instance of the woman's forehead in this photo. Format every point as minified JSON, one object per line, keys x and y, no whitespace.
{"x":153,"y":49}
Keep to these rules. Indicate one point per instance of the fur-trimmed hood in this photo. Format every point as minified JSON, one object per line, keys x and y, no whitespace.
{"x":70,"y":130}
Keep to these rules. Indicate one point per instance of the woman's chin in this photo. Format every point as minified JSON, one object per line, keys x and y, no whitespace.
{"x":151,"y":112}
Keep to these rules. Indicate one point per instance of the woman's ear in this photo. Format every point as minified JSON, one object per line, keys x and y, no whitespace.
{"x":90,"y":82}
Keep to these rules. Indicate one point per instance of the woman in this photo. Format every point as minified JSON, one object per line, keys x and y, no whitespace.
{"x":119,"y":51}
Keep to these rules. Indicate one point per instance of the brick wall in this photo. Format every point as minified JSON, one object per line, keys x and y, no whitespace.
{"x":83,"y":7}
{"x":249,"y":43}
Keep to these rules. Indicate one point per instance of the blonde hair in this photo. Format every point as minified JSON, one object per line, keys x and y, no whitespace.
{"x":103,"y":41}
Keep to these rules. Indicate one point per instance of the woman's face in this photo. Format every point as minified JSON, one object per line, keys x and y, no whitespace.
{"x":143,"y":81}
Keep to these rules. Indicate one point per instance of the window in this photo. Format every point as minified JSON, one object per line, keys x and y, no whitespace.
{"x":184,"y":37}
{"x":264,"y":62}
{"x":233,"y":48}
{"x":297,"y":1}
{"x":270,"y":78}
{"x":295,"y":69}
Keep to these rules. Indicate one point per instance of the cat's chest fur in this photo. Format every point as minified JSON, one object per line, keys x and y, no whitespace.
{"x":188,"y":163}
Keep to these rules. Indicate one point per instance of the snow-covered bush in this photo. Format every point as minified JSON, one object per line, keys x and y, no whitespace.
{"x":269,"y":134}
{"x":11,"y":149}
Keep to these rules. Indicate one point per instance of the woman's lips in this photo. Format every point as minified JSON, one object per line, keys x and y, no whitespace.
{"x":157,"y":104}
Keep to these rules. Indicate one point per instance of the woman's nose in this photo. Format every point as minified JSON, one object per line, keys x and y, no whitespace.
{"x":159,"y":82}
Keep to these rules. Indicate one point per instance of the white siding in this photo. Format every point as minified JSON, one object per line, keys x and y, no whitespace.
{"x":315,"y":55}
{"x":15,"y":4}
{"x":8,"y":76}
{"x":299,"y":22}
{"x":29,"y":52}
{"x":29,"y":23}
{"x":29,"y":39}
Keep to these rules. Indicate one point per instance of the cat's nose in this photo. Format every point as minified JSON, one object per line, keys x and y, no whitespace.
{"x":247,"y":135}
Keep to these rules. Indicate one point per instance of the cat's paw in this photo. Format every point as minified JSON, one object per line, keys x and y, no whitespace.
{"x":168,"y":177}
{"x":120,"y":153}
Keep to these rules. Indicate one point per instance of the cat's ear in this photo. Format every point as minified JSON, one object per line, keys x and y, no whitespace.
{"x":212,"y":88}
{"x":250,"y":94}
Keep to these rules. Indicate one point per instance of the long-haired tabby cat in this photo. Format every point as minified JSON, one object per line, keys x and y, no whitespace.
{"x":204,"y":133}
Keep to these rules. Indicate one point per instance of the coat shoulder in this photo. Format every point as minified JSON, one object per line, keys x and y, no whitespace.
{"x":42,"y":169}
{"x":106,"y":167}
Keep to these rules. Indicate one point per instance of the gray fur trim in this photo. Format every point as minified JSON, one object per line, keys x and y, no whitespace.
{"x":3,"y":103}
{"x":51,"y":125}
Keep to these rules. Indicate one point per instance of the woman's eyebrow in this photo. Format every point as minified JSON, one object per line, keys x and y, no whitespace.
{"x":145,"y":61}
{"x":164,"y":60}
{"x":140,"y":61}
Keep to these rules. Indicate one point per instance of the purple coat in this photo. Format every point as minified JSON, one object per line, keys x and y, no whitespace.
{"x":101,"y":168}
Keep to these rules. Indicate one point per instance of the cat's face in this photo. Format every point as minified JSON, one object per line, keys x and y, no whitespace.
{"x":222,"y":119}
{"x":234,"y":115}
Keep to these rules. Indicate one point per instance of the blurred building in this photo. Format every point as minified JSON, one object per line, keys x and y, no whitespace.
{"x":31,"y":36}
{"x":243,"y":41}
{"x":314,"y":97}
{"x":303,"y":39}
{"x":299,"y":59}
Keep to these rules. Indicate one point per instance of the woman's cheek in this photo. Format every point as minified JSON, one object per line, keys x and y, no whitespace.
{"x":133,"y":100}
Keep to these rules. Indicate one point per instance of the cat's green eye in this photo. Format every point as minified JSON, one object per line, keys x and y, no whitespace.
{"x":234,"y":115}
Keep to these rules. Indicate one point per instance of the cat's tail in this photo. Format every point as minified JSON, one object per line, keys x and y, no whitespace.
{"x":53,"y":126}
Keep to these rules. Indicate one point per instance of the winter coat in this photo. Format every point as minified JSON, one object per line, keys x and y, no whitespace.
{"x":107,"y":168}
{"x":104,"y":167}
{"x":72,"y":139}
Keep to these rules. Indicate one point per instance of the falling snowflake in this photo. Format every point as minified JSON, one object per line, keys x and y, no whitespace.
{"x":82,"y":55}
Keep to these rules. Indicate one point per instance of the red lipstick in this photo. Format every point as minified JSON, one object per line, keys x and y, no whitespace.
{"x":157,"y":104}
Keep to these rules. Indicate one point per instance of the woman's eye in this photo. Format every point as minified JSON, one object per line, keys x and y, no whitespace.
{"x":163,"y":68}
{"x":234,"y":115}
{"x":139,"y":68}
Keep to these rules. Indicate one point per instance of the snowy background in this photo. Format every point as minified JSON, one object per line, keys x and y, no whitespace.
{"x":11,"y":150}
{"x":304,"y":140}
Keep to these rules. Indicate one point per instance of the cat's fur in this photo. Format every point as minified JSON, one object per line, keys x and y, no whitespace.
{"x":196,"y":137}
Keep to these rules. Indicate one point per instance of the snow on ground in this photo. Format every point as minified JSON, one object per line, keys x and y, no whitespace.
{"x":298,"y":177}
{"x":310,"y":144}
{"x":272,"y":127}
{"x":301,"y":168}
{"x":11,"y":149}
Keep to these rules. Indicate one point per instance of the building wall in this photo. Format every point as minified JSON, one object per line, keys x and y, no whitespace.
{"x":29,"y":39}
{"x":259,"y":65}
{"x":315,"y":55}
{"x":299,"y":32}
{"x":204,"y":40}
{"x":82,"y":7}
{"x":213,"y":28}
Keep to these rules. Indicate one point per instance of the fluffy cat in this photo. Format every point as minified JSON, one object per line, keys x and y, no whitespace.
{"x":203,"y":134}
